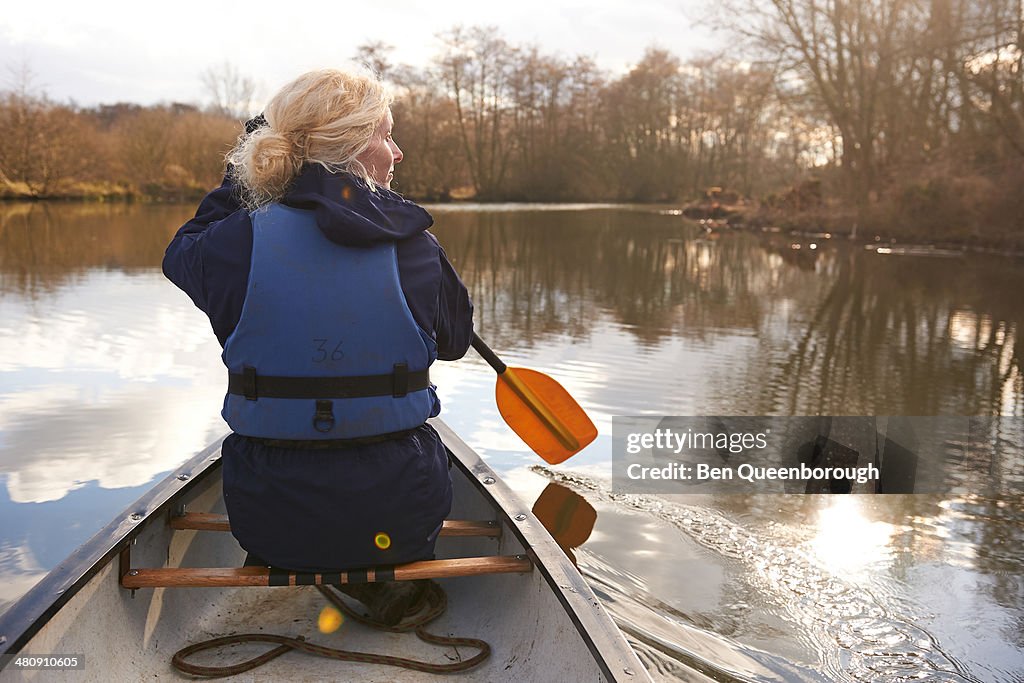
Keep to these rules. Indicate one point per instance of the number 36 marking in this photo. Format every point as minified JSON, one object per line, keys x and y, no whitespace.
{"x":322,"y":354}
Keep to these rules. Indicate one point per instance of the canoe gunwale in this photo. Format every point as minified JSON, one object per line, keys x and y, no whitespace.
{"x":32,"y":611}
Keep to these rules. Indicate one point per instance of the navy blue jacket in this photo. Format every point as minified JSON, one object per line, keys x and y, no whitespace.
{"x":310,"y":509}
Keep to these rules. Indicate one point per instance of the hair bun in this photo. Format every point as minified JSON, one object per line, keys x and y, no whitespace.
{"x":272,"y":161}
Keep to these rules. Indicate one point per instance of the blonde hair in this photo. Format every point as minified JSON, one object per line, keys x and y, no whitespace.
{"x":325,"y":117}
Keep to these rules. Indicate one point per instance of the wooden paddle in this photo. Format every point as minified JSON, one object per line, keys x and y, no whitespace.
{"x":539,"y":409}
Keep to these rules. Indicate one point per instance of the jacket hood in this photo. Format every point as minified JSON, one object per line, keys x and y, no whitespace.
{"x":349,"y":213}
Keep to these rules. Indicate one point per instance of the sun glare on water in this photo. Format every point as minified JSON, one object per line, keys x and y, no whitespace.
{"x":846,"y":541}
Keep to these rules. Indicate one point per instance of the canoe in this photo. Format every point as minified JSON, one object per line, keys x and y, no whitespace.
{"x":524,"y":597}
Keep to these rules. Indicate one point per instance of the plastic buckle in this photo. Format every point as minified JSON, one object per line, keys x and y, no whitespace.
{"x":323,"y":419}
{"x":400,"y":380}
{"x":249,"y":383}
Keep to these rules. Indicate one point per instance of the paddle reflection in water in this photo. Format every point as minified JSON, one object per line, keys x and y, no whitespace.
{"x":567,"y":516}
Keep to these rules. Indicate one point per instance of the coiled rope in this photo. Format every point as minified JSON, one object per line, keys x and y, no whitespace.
{"x":434,"y":599}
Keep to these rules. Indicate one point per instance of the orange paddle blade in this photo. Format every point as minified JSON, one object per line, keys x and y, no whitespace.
{"x":543,"y":414}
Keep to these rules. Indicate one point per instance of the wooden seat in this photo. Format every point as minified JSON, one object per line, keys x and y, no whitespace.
{"x":223,"y":577}
{"x":180,"y":577}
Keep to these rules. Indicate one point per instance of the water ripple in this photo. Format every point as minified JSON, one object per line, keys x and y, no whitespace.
{"x":858,"y":637}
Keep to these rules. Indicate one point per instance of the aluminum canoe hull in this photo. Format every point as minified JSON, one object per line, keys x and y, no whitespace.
{"x":545,"y":625}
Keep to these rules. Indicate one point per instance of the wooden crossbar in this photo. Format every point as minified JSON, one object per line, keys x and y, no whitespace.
{"x":178,"y":577}
{"x":206,"y":521}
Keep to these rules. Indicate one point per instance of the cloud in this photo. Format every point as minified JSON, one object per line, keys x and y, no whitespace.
{"x":145,"y":53}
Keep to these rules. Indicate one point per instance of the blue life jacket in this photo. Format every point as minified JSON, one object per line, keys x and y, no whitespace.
{"x":326,"y":347}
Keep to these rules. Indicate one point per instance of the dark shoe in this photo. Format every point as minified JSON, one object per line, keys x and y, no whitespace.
{"x":388,"y":601}
{"x":255,"y":561}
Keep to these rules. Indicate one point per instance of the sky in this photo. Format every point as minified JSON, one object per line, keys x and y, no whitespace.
{"x":104,"y":52}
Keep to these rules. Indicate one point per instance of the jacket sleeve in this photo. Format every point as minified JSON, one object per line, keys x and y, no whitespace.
{"x":219,"y":204}
{"x":209,"y":258}
{"x":454,"y":325}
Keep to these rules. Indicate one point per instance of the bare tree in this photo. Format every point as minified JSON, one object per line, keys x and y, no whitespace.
{"x":375,"y":56}
{"x":475,"y":68}
{"x":642,"y":111}
{"x":230,"y":92}
{"x":427,"y":130}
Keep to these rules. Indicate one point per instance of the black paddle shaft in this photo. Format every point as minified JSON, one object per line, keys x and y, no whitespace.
{"x":488,"y":355}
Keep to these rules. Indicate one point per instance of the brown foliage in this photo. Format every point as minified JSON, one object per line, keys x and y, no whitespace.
{"x":47,"y":149}
{"x":43,"y":145}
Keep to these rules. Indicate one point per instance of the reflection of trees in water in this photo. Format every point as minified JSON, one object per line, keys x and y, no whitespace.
{"x":43,"y":245}
{"x":556,"y":272}
{"x":994,"y":529}
{"x":842,"y":332}
{"x":906,"y":337}
{"x":984,"y":533}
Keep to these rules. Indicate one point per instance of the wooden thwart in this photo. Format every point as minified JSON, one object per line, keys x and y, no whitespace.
{"x":171,"y":577}
{"x":206,"y":521}
{"x":179,"y":577}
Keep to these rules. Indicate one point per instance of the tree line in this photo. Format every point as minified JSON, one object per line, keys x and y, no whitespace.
{"x":911,"y":107}
{"x":175,"y":150}
{"x":513,"y":123}
{"x":124,"y":150}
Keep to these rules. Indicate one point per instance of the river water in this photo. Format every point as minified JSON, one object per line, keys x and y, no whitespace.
{"x":109,"y":378}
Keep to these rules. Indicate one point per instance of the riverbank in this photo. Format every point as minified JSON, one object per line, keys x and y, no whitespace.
{"x":875,"y":226}
{"x":99,"y":192}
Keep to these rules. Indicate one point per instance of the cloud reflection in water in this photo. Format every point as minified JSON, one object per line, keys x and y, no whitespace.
{"x":96,"y":385}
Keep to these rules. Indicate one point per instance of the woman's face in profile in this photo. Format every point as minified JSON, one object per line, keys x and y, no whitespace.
{"x":380,"y":157}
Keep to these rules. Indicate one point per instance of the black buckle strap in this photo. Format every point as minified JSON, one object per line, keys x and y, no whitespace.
{"x":249,"y":383}
{"x":400,"y":380}
{"x":324,"y":444}
{"x":398,"y":383}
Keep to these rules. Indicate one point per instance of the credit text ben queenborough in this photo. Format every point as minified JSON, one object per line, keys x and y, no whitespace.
{"x":751,"y":473}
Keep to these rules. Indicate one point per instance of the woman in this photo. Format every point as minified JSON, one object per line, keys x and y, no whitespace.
{"x":330,"y":299}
